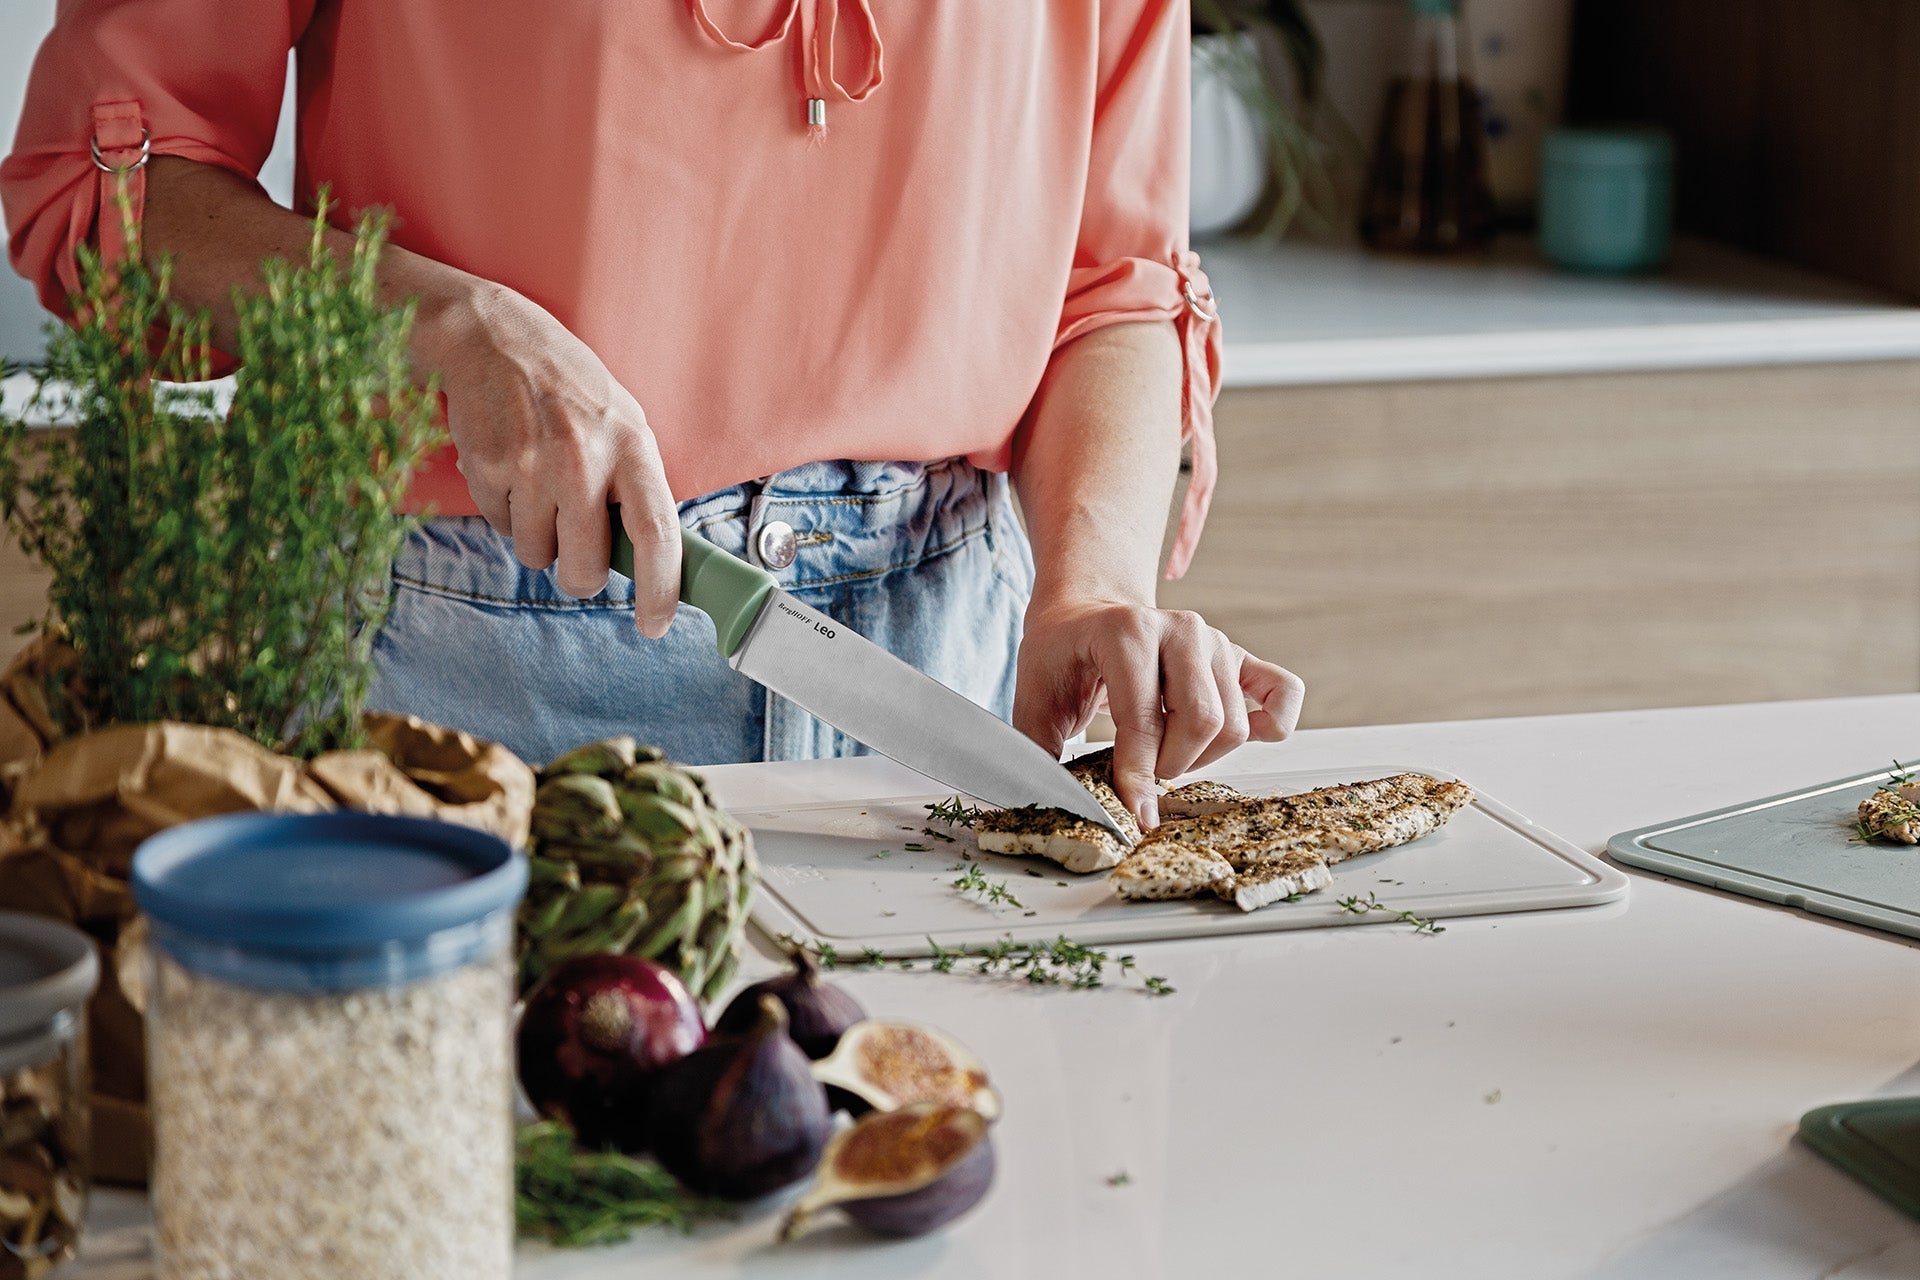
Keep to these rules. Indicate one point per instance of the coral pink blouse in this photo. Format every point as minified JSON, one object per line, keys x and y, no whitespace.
{"x":995,"y":178}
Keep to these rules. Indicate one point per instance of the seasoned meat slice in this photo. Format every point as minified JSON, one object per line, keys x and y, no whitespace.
{"x":1891,"y":815}
{"x":1095,"y":772}
{"x":1338,"y":822}
{"x":1200,"y":799}
{"x":1066,"y":838}
{"x":1267,"y":880}
{"x":1170,"y":871}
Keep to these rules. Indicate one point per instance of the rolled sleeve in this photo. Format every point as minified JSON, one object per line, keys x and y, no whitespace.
{"x":199,"y":79}
{"x":1131,"y":260}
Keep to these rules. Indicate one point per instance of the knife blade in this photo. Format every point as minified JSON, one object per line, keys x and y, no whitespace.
{"x":859,"y":688}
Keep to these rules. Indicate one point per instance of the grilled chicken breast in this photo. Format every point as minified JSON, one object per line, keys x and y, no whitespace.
{"x":1095,"y":772}
{"x":1893,"y":815}
{"x":1200,"y":800}
{"x":1170,"y":871}
{"x":1067,"y":838}
{"x":1284,"y":845}
{"x":1268,"y":880}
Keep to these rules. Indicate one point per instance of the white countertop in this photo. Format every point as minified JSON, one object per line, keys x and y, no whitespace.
{"x":1299,"y":313}
{"x":1605,"y":1093}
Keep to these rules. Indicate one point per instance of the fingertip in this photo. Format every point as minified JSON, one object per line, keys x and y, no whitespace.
{"x":654,"y":628}
{"x":1149,"y":812}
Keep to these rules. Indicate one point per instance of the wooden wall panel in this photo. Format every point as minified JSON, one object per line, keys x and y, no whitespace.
{"x":1512,"y":546}
{"x":1798,"y":123}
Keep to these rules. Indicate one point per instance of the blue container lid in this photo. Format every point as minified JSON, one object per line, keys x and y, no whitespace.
{"x":326,"y":901}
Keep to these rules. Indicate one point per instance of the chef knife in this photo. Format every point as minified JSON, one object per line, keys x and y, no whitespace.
{"x":862,"y":690}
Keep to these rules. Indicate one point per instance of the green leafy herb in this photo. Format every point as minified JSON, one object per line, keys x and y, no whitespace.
{"x":937,"y":835}
{"x":918,"y":848}
{"x":1361,"y":906}
{"x":1900,"y":776}
{"x":952,"y":812}
{"x":223,"y":568}
{"x":1060,"y":963}
{"x":887,"y":853}
{"x":576,"y":1198}
{"x":1119,"y":1179}
{"x":989,"y":891}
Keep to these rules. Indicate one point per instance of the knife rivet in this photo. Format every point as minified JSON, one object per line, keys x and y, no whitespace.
{"x":776,"y":544}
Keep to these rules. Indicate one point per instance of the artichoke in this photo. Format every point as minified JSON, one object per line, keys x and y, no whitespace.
{"x":631,"y":855}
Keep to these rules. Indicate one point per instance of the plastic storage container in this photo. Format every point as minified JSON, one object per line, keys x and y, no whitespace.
{"x":47,"y":972}
{"x":1606,"y":199}
{"x":330,"y":1047}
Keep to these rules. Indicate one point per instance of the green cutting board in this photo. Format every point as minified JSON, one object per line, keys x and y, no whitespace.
{"x":1799,"y":849}
{"x":1876,"y":1142}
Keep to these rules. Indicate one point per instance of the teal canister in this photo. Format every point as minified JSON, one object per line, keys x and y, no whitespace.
{"x":1606,"y":199}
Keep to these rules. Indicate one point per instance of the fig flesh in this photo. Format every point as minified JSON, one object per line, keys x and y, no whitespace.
{"x":743,"y":1116}
{"x":593,"y":1038}
{"x":818,"y":1011}
{"x":902,"y":1173}
{"x":889,"y":1064}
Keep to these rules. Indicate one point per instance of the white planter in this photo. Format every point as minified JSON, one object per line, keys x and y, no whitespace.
{"x":1229,"y":148}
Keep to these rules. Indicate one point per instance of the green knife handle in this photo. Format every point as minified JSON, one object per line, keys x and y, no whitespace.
{"x":722,"y":586}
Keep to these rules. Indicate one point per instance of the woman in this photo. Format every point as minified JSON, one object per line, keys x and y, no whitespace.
{"x":687,"y":258}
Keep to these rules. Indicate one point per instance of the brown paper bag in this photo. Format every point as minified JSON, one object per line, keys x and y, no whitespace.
{"x":73,"y":811}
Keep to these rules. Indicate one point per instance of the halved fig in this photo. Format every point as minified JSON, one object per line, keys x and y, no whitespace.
{"x":902,"y":1173}
{"x":889,"y":1065}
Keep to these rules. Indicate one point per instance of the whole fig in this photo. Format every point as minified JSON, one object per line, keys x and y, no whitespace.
{"x":743,"y":1116}
{"x":593,"y":1038}
{"x":818,"y":1011}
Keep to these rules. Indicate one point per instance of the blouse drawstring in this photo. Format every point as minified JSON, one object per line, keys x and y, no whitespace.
{"x":819,"y":79}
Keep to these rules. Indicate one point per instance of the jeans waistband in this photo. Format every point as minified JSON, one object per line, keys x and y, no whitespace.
{"x":851,"y":521}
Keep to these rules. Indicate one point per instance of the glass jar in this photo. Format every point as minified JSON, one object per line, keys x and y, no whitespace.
{"x":1428,"y":191}
{"x":47,"y":972}
{"x":329,"y":1041}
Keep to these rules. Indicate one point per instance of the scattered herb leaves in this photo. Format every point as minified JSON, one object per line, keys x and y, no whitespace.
{"x":1119,"y":1179}
{"x":1361,"y":906}
{"x":952,"y":812}
{"x":989,"y":891}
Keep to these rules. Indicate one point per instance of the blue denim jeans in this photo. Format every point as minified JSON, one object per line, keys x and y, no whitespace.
{"x":925,"y":559}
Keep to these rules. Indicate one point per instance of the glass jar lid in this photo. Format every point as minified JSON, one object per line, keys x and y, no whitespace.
{"x":326,"y":901}
{"x":47,"y":972}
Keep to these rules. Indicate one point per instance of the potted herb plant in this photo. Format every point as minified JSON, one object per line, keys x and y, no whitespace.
{"x":1262,"y":125}
{"x":219,"y":572}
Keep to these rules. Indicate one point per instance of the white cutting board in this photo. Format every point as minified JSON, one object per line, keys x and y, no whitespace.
{"x":823,"y":879}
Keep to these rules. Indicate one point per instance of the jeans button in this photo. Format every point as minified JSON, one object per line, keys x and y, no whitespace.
{"x":776,"y":544}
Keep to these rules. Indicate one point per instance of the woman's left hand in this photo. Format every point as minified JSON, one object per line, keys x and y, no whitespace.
{"x":1176,"y":688}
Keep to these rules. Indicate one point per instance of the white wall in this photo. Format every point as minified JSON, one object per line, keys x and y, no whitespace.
{"x":22,"y":25}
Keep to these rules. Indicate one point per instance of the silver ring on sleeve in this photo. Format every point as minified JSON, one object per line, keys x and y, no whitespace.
{"x":1193,"y":304}
{"x":146,"y":150}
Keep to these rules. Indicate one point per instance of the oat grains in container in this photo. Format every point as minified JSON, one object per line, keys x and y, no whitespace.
{"x":330,"y":1047}
{"x":47,"y":972}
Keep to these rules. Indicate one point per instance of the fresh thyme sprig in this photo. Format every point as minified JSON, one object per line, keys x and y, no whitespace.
{"x":952,"y":812}
{"x":1361,"y":906}
{"x":1898,"y":777}
{"x":989,"y":891}
{"x":1060,"y":963}
{"x":576,"y":1198}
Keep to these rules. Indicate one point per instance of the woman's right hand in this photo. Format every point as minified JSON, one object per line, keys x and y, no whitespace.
{"x":547,"y":440}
